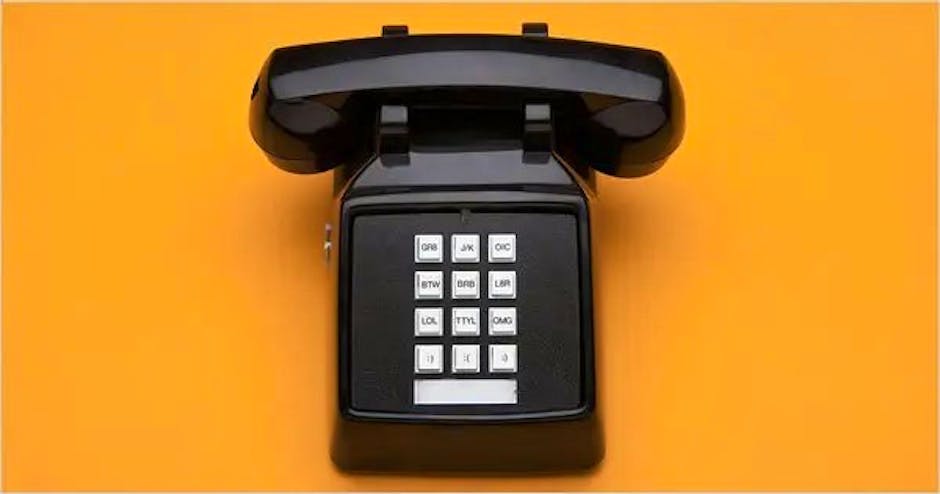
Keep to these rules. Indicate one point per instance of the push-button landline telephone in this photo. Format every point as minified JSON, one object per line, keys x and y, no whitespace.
{"x":463,"y":172}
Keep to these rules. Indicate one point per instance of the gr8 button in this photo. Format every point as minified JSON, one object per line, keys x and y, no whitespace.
{"x":429,"y":248}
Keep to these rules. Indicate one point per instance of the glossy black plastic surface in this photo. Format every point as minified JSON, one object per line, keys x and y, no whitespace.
{"x":616,"y":109}
{"x":564,"y":435}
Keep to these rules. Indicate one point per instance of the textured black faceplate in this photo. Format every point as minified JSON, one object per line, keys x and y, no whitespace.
{"x":379,"y":364}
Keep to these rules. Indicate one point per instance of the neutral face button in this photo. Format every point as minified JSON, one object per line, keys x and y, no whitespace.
{"x":429,"y":321}
{"x":502,"y":284}
{"x":502,"y":358}
{"x":465,"y":248}
{"x":466,"y":284}
{"x":502,"y":321}
{"x":466,"y":359}
{"x":502,"y":247}
{"x":429,"y":359}
{"x":429,"y":248}
{"x":465,"y":321}
{"x":429,"y":285}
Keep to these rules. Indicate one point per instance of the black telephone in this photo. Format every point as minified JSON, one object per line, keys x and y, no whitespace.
{"x":463,"y":170}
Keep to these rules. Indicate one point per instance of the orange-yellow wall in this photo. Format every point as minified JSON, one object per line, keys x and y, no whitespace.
{"x":766,"y":302}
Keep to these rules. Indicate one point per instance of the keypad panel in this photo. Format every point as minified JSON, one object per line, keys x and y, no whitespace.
{"x":465,"y":285}
{"x":456,"y":313}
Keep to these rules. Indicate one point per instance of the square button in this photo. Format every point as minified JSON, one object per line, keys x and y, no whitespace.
{"x":465,"y":359}
{"x":429,"y":285}
{"x":502,"y":284}
{"x":429,"y":359}
{"x":465,"y":284}
{"x":502,"y":358}
{"x":502,"y":321}
{"x":465,"y":321}
{"x":429,"y":321}
{"x":502,"y":247}
{"x":465,"y":248}
{"x":429,"y":248}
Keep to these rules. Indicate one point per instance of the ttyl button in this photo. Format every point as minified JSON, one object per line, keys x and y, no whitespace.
{"x":465,"y":321}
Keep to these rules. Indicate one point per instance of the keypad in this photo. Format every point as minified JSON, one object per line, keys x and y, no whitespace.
{"x":482,"y":306}
{"x":411,"y":344}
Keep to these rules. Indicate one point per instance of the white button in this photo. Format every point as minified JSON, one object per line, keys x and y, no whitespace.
{"x":502,"y":284}
{"x":466,"y":359}
{"x":465,"y":321}
{"x":502,"y":358}
{"x":502,"y":247}
{"x":465,"y":248}
{"x":465,"y":391}
{"x":429,"y":285}
{"x":429,"y":248}
{"x":502,"y":321}
{"x":429,"y":359}
{"x":429,"y":321}
{"x":465,"y":284}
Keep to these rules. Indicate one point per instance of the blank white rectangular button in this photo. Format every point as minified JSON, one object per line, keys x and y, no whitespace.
{"x":429,"y":285}
{"x":502,"y":321}
{"x":465,"y":392}
{"x":465,"y":359}
{"x":502,"y":247}
{"x":429,"y":359}
{"x":502,"y":358}
{"x":465,"y":247}
{"x":429,"y":248}
{"x":429,"y":321}
{"x":465,"y":284}
{"x":502,"y":284}
{"x":465,"y":321}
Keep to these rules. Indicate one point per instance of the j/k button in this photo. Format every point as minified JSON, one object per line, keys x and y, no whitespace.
{"x":465,"y":248}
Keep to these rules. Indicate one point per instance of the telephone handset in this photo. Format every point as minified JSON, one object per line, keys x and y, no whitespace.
{"x":463,"y":170}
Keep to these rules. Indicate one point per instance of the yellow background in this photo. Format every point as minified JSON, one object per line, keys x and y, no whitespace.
{"x":765,"y":303}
